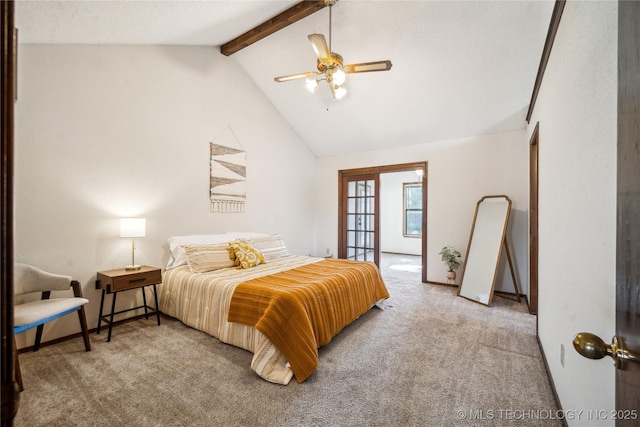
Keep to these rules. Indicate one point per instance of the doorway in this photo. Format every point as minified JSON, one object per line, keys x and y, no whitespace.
{"x":359,"y":211}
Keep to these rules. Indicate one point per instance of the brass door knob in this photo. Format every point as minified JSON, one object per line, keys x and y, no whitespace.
{"x":592,"y":347}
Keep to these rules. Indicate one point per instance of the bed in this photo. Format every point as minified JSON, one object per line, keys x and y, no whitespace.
{"x":246,"y":290}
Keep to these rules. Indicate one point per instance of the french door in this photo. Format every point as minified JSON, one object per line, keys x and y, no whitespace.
{"x":360,"y":221}
{"x":359,"y":207}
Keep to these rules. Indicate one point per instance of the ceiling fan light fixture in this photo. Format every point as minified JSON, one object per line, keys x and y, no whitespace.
{"x":339,"y":76}
{"x":311,"y":84}
{"x":339,"y":92}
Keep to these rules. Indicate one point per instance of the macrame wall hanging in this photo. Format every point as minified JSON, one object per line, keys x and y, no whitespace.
{"x":228,"y":186}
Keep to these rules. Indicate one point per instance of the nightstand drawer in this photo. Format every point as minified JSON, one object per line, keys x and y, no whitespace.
{"x":120,"y":280}
{"x":136,"y":280}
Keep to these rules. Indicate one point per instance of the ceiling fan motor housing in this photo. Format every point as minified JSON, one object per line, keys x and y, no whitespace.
{"x":336,"y":61}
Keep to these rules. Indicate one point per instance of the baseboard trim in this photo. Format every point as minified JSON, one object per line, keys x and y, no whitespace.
{"x":556,"y":398}
{"x":431,"y":282}
{"x":79,"y":334}
{"x":513,"y":295}
{"x":503,"y":294}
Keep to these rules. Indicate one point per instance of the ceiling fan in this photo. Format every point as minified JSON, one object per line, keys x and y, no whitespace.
{"x":331,"y":66}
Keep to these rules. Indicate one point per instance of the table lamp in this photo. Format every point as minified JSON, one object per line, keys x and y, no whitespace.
{"x":132,"y":227}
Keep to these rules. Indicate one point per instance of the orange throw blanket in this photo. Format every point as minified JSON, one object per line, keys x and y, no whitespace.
{"x":301,"y":309}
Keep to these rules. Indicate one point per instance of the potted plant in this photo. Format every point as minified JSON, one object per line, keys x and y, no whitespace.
{"x":450,"y":256}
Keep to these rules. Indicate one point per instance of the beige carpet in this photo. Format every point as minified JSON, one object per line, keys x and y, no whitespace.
{"x":430,"y":359}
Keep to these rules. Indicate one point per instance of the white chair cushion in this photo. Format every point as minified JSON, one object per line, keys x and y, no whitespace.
{"x":31,"y":312}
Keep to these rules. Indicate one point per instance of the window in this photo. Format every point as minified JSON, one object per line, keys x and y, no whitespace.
{"x":412,"y":205}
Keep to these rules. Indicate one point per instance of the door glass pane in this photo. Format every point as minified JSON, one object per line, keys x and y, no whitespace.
{"x":370,"y":204}
{"x":351,"y":238}
{"x":351,"y":189}
{"x":351,"y":205}
{"x":369,"y":240}
{"x":351,"y":253}
{"x":371,"y":187}
{"x":370,"y":222}
{"x":351,"y":222}
{"x":362,"y":185}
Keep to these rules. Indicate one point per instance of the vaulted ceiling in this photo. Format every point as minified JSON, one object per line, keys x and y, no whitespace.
{"x":460,"y":68}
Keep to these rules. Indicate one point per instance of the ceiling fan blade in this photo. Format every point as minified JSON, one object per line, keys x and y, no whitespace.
{"x":365,"y":67}
{"x":295,"y":76}
{"x":320,"y":46}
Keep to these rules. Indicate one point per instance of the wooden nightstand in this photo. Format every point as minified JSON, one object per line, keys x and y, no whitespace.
{"x":114,"y":281}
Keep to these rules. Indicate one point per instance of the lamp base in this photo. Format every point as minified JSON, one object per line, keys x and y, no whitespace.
{"x":133,"y":267}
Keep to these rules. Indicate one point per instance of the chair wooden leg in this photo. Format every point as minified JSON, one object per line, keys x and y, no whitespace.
{"x":83,"y":326}
{"x":16,"y":364}
{"x":36,"y":345}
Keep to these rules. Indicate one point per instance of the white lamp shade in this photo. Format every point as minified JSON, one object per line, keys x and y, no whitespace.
{"x":132,"y":227}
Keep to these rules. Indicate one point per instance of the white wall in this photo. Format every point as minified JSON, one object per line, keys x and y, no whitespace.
{"x":392,"y":237}
{"x":112,"y":131}
{"x":576,"y":109}
{"x":460,"y":173}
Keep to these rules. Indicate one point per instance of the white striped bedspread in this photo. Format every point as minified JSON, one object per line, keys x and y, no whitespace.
{"x":201,"y":301}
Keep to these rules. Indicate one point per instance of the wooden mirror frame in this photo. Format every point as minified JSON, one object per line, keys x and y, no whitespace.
{"x":491,"y":249}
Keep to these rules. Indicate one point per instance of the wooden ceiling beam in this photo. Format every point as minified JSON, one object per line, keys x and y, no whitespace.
{"x":293,"y":14}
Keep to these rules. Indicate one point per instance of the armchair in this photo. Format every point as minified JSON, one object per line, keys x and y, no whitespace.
{"x":34,"y":314}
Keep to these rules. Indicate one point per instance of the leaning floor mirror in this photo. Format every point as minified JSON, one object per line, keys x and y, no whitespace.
{"x":486,"y":243}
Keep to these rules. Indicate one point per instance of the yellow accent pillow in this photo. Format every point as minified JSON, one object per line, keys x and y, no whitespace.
{"x":247,"y":255}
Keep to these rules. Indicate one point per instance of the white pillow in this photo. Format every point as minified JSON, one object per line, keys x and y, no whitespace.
{"x":205,"y":258}
{"x":272,"y":247}
{"x":177,"y":256}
